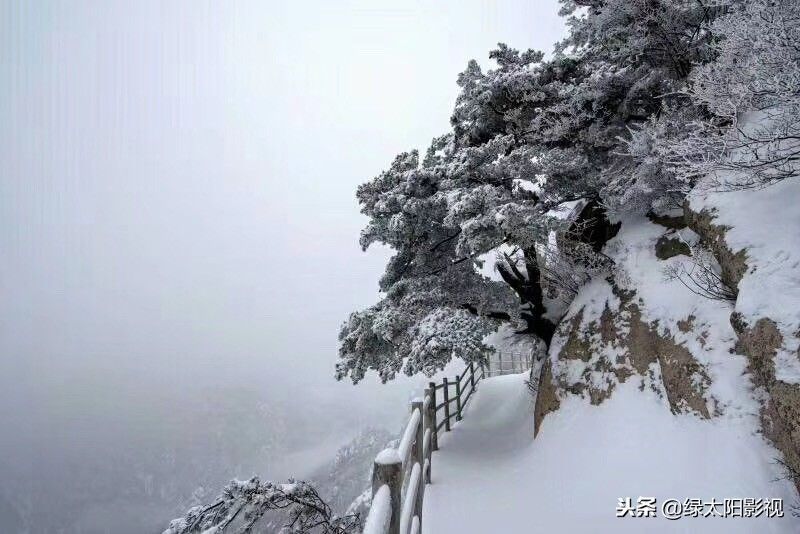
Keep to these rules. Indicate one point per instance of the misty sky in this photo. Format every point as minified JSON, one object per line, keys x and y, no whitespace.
{"x":177,"y":186}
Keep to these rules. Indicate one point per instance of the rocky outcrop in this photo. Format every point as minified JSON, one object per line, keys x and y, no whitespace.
{"x":733,"y":265}
{"x":546,"y":397}
{"x":642,"y":350}
{"x":669,"y":247}
{"x":780,"y":413}
{"x":672,"y":222}
{"x":759,"y":342}
{"x":685,"y":381}
{"x":781,"y":423}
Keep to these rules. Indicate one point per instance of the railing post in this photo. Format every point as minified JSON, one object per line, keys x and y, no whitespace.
{"x":446,"y":390}
{"x":458,"y":399}
{"x":472,"y":376}
{"x":429,"y":426}
{"x":418,"y":455}
{"x":432,"y":417}
{"x":388,"y":470}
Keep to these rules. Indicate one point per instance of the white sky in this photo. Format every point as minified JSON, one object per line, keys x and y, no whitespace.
{"x":177,"y":182}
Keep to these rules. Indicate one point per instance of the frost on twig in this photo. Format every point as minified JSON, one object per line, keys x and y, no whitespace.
{"x":570,"y":264}
{"x":244,"y":502}
{"x":752,"y":138}
{"x":701,"y":275}
{"x":789,"y":473}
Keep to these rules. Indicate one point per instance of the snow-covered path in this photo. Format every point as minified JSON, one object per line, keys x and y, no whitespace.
{"x":490,"y":476}
{"x":478,"y":484}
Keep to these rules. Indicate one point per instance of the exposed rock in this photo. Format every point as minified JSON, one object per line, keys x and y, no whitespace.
{"x":677,"y":222}
{"x":781,"y":422}
{"x":733,"y":265}
{"x":684,"y":379}
{"x":599,"y":377}
{"x":638,"y":346}
{"x":686,"y":325}
{"x":578,"y":345}
{"x":760,"y":343}
{"x":546,"y":397}
{"x":608,"y":331}
{"x":669,"y":247}
{"x":780,"y":415}
{"x":641,"y":340}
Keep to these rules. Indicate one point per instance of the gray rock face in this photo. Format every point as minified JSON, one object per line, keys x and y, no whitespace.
{"x":683,"y":381}
{"x":733,"y":265}
{"x":669,"y":247}
{"x":546,"y":398}
{"x":780,"y":414}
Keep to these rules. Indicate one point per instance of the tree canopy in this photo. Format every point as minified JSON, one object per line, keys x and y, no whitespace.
{"x":611,"y":119}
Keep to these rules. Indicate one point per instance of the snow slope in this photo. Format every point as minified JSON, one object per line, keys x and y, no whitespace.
{"x":765,"y":223}
{"x":490,"y":476}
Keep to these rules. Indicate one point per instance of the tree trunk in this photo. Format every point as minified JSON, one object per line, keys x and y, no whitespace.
{"x":529,"y":289}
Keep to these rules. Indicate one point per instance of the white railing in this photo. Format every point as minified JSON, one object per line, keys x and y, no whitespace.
{"x":399,"y":475}
{"x":508,"y":362}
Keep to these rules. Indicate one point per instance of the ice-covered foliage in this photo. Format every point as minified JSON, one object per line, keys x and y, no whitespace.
{"x":528,"y":135}
{"x":416,"y":328}
{"x":641,"y":54}
{"x":243,"y":503}
{"x":752,"y":90}
{"x":333,"y":497}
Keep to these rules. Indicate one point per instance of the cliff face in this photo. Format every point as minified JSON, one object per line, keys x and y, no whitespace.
{"x":647,"y":392}
{"x":755,"y":240}
{"x":780,"y":413}
{"x":734,"y":358}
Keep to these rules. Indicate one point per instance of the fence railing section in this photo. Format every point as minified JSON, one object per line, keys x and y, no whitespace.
{"x":508,"y":362}
{"x":399,"y":475}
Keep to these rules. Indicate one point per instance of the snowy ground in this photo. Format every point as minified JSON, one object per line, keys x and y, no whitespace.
{"x":490,"y":476}
{"x":764,"y":223}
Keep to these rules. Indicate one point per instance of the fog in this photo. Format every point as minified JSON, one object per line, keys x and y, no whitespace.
{"x":179,"y":234}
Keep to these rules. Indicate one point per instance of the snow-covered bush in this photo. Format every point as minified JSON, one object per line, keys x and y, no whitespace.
{"x":752,"y":90}
{"x":243,"y":504}
{"x":701,"y":275}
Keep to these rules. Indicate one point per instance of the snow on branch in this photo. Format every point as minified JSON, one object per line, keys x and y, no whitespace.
{"x":752,"y":90}
{"x":701,"y":275}
{"x":244,"y":502}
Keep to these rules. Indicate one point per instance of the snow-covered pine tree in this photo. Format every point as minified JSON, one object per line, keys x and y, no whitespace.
{"x":528,"y":136}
